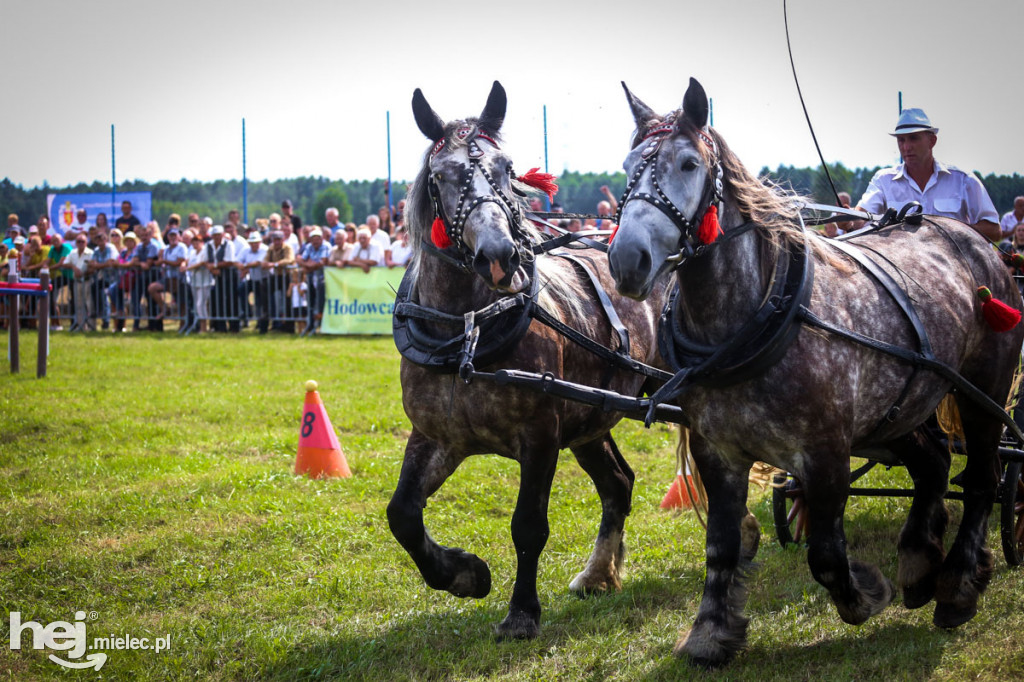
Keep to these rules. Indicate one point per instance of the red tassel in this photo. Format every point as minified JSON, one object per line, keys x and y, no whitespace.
{"x":709,"y":227}
{"x":439,"y":235}
{"x":1017,"y":261}
{"x":615,"y":231}
{"x":999,"y":316}
{"x":545,"y":182}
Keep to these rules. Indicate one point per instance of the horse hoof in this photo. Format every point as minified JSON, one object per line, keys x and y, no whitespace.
{"x":916,"y":596}
{"x":702,"y":652}
{"x":585,"y":584}
{"x":948,"y":616}
{"x":472,"y":577}
{"x":873,"y":593}
{"x":517,"y":626}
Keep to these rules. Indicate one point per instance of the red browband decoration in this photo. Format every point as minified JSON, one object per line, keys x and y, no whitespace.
{"x":545,"y":182}
{"x":708,"y":140}
{"x":660,"y":130}
{"x":462,"y":134}
{"x":487,"y":137}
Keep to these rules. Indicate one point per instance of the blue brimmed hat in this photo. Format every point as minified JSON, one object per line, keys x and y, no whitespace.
{"x":913,"y":121}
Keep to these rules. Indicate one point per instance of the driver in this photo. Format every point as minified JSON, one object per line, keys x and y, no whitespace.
{"x":939,"y":188}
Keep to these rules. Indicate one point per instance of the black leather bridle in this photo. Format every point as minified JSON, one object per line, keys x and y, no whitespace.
{"x":455,"y":226}
{"x":688,"y":246}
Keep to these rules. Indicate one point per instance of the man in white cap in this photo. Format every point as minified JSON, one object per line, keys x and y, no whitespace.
{"x":315,"y":255}
{"x":939,"y":188}
{"x":220,"y":259}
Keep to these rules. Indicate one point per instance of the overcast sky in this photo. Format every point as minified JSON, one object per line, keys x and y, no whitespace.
{"x":314,"y":80}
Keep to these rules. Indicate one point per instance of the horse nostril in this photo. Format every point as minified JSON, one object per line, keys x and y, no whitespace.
{"x":513,"y":262}
{"x":645,"y":261}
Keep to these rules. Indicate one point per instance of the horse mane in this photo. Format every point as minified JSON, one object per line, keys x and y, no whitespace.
{"x":560,"y":294}
{"x":774,"y":208}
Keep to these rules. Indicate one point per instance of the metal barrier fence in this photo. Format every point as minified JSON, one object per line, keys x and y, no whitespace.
{"x":159,"y":299}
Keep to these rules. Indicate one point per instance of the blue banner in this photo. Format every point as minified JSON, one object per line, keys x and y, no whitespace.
{"x":62,"y":208}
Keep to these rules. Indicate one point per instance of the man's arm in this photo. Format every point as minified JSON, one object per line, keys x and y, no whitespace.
{"x":988,"y":229}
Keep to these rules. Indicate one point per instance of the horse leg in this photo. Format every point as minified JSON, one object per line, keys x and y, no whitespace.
{"x":858,"y":589}
{"x":425,"y":468}
{"x":613,"y":479}
{"x":968,"y":566}
{"x":529,"y":534}
{"x":920,"y":545}
{"x":720,"y":629}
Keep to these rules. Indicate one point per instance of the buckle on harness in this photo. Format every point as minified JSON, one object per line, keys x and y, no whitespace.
{"x":892,"y":414}
{"x":468,"y":351}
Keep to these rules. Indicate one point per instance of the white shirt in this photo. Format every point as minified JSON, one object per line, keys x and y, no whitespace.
{"x":79,"y":260}
{"x":229,"y":251}
{"x":247,"y":256}
{"x":293,"y":241}
{"x":74,"y":228}
{"x":1009,"y":222}
{"x":382,"y":239}
{"x":372,"y":252}
{"x":401,"y":254}
{"x":299,"y":295}
{"x":200,"y":277}
{"x":949,"y":192}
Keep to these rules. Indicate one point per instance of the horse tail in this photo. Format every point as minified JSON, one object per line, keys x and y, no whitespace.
{"x":761,"y":475}
{"x":689,"y":475}
{"x":948,"y":416}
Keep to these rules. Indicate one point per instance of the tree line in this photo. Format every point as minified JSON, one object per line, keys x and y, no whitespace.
{"x":356,"y":199}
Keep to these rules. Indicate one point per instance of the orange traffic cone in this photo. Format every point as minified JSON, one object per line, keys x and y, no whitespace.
{"x":320,"y":454}
{"x":678,"y":495}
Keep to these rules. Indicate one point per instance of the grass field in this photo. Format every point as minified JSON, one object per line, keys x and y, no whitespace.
{"x":147,"y":481}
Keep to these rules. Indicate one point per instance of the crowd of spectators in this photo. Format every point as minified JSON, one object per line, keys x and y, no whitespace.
{"x":210,"y":276}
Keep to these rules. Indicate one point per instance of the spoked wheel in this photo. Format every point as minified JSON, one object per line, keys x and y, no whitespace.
{"x":1012,"y":522}
{"x":789,"y":510}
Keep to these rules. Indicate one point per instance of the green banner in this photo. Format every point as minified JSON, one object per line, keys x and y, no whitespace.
{"x":358,"y":302}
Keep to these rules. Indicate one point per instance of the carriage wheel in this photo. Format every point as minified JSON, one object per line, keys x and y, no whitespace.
{"x":789,"y":510}
{"x":1012,"y":512}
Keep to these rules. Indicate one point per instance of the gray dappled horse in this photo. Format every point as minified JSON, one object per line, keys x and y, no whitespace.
{"x":467,"y":179}
{"x":825,"y":396}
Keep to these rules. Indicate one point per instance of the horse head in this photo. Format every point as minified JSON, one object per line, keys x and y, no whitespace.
{"x":469,"y":184}
{"x":674,"y":179}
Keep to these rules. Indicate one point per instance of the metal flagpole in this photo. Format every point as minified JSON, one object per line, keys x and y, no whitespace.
{"x":113,"y":176}
{"x":711,"y":111}
{"x":547,"y":201}
{"x":245,"y":183}
{"x":901,"y":101}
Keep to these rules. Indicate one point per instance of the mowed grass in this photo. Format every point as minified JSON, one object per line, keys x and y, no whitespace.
{"x":148,"y":481}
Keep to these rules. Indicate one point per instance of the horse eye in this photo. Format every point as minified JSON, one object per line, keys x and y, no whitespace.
{"x":438,"y":177}
{"x":689,"y":165}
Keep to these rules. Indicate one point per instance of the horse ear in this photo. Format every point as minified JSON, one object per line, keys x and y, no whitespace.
{"x":642,"y":113}
{"x":493,"y":114}
{"x":430,"y":124}
{"x":695,"y":104}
